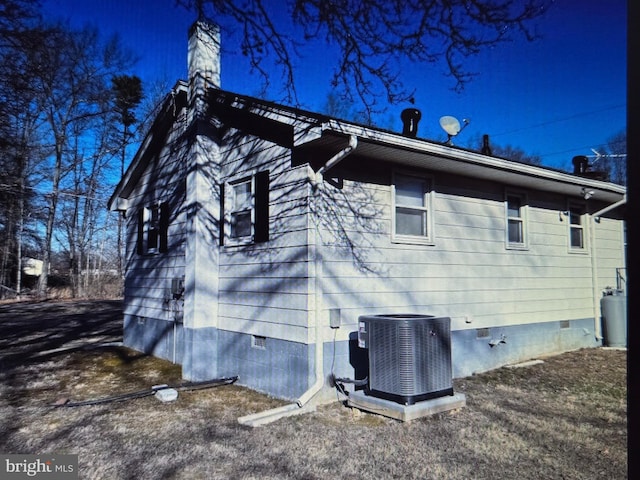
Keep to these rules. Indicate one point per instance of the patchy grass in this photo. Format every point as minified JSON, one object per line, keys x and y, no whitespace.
{"x":564,"y":418}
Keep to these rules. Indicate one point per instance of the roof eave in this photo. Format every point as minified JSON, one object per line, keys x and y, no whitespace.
{"x":440,"y":157}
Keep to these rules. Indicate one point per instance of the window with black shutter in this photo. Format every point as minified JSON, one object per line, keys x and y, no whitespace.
{"x":153,"y":226}
{"x":245,"y":209}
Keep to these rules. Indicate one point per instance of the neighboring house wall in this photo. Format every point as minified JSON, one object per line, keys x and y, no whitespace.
{"x":538,"y":295}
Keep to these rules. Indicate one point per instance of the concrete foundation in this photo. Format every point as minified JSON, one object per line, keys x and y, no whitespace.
{"x":405,"y":413}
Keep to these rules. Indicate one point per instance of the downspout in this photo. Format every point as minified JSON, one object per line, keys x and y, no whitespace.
{"x":300,"y":406}
{"x":317,"y":289}
{"x":319,"y":383}
{"x":594,"y":262}
{"x":613,"y":206}
{"x":337,"y":158}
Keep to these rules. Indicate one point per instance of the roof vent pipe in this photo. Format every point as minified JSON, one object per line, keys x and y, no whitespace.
{"x":486,"y":148}
{"x":410,"y":118}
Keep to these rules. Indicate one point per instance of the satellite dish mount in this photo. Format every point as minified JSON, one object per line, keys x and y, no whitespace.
{"x":451,"y":126}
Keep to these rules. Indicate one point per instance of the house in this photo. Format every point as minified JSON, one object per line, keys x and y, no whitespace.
{"x":257,"y":234}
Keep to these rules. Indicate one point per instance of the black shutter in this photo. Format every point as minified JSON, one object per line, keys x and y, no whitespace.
{"x":262,"y":206}
{"x":140,"y":240}
{"x":163,"y":245}
{"x":221,"y":219}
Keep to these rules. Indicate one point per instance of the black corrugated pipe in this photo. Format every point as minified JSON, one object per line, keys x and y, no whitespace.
{"x":147,"y":393}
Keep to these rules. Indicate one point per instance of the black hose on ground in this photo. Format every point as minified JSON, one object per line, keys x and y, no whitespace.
{"x":338,"y":383}
{"x":189,"y":386}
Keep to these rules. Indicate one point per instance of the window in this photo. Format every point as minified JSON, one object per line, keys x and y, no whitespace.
{"x":241,"y":215}
{"x":516,"y":221}
{"x":245,"y":204}
{"x":576,"y":227}
{"x":412,"y":213}
{"x":153,"y":224}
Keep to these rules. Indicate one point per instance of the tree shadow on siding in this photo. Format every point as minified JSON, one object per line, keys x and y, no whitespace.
{"x":311,"y":220}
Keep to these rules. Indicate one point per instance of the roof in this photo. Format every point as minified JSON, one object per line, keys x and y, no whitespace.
{"x":314,"y":130}
{"x":418,"y":153}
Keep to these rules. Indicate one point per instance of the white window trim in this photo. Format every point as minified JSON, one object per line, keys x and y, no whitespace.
{"x":524,"y":218}
{"x":228,"y":209}
{"x":584,"y":250}
{"x":429,"y":239}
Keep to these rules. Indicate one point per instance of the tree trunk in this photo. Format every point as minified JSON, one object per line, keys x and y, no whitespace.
{"x":51,"y":214}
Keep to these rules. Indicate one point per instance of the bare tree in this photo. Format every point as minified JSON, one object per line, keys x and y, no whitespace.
{"x":612,"y":158}
{"x":18,"y":132}
{"x":15,"y":18}
{"x":127,"y":95}
{"x":372,"y":38}
{"x":72,"y":73}
{"x":515,"y":154}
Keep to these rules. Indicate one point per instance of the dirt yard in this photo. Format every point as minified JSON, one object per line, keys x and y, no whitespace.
{"x":565,"y":418}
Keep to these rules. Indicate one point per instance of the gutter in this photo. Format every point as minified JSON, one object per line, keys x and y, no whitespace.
{"x":302,"y":405}
{"x":421,"y":153}
{"x":594,"y":262}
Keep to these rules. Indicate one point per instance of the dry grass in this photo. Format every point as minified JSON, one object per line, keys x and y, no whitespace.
{"x":562,"y":419}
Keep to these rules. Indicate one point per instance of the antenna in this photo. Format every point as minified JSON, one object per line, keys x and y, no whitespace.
{"x":599,"y":155}
{"x":451,"y":126}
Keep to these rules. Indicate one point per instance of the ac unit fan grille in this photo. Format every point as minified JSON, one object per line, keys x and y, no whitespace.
{"x":409,"y":359}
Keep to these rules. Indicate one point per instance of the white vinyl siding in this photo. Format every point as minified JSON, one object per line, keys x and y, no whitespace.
{"x":155,"y":212}
{"x":263,"y":285}
{"x":468,"y":274}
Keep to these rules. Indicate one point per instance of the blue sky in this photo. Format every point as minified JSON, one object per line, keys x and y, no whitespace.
{"x":557,"y":97}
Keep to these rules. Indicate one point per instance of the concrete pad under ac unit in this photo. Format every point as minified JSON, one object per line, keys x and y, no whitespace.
{"x":405,"y":413}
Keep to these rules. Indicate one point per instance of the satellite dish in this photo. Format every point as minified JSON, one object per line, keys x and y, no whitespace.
{"x":451,"y":125}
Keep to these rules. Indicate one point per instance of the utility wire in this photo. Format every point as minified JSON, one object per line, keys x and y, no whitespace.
{"x":558,"y":120}
{"x":40,"y":191}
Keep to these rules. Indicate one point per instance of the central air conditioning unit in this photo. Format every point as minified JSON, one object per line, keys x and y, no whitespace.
{"x":409,"y":356}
